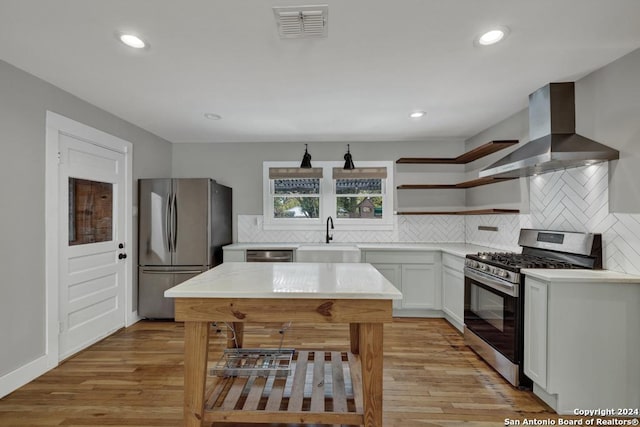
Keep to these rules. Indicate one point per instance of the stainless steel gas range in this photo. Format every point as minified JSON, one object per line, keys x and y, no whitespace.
{"x":494,"y":293}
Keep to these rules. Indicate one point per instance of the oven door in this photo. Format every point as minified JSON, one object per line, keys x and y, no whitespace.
{"x":493,"y":312}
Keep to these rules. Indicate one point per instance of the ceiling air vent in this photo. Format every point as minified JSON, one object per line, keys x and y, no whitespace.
{"x":296,"y":22}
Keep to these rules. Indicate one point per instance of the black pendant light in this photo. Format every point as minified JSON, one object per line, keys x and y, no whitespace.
{"x":348,"y":160}
{"x":306,"y":159}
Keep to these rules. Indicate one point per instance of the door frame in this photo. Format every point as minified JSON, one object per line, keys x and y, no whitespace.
{"x":57,"y":124}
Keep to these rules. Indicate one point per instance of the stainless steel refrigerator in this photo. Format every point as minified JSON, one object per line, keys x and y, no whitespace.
{"x":183,"y":224}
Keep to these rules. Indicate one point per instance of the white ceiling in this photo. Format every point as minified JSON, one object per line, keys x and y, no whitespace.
{"x":380,"y":61}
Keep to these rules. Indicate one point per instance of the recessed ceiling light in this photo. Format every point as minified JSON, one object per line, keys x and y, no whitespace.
{"x":132,"y":41}
{"x":212,"y":116}
{"x":417,"y":114}
{"x":492,"y":36}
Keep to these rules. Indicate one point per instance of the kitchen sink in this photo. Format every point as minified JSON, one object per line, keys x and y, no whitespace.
{"x":327,"y":253}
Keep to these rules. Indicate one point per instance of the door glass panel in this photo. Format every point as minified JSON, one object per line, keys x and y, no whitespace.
{"x":90,"y":211}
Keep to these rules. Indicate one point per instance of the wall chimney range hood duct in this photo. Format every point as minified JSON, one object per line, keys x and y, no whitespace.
{"x":553,"y":144}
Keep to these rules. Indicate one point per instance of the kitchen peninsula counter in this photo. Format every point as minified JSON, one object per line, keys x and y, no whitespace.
{"x":280,"y":292}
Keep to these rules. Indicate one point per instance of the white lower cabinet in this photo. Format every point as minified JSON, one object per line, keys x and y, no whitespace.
{"x":417,"y":275}
{"x":535,"y":331}
{"x":431,"y":282}
{"x":453,"y":296}
{"x":420,"y":287}
{"x":392,"y":273}
{"x":233,"y":255}
{"x":581,"y":343}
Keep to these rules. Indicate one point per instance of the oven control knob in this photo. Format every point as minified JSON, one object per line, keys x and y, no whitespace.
{"x":484,"y":267}
{"x":503,"y":273}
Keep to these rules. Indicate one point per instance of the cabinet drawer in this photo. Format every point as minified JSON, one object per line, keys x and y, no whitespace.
{"x":401,"y":257}
{"x":453,"y":261}
{"x":233,"y":255}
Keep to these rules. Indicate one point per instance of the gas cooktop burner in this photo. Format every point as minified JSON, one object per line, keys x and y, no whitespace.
{"x":512,"y":259}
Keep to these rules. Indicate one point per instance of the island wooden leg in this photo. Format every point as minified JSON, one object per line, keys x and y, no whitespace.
{"x":371,"y":358}
{"x":196,"y":345}
{"x":354,"y":337}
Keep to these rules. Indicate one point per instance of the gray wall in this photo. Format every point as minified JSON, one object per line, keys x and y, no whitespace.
{"x":512,"y":193}
{"x":239,"y":165}
{"x":24,"y":100}
{"x":607,"y":110}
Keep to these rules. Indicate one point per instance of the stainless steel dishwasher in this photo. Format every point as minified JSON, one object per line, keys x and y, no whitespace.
{"x":265,"y":255}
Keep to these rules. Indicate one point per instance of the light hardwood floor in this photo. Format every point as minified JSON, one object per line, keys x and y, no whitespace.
{"x":134,"y":378}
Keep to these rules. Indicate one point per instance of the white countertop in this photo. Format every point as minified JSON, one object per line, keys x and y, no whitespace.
{"x":458,"y":249}
{"x":585,"y":276}
{"x":461,"y":249}
{"x":288,"y":280}
{"x":262,"y":245}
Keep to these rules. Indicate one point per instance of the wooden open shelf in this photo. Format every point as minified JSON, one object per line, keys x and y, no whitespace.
{"x":467,"y":184}
{"x":470,"y":212}
{"x":325,"y":388}
{"x":475,"y":154}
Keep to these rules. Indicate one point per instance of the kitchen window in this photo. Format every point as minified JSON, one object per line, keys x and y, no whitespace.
{"x":360,"y":194}
{"x":302,"y":199}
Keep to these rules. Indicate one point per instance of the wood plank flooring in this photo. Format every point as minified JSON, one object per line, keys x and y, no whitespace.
{"x":135,"y":378}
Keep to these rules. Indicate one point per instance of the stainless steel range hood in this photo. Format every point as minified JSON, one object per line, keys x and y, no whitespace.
{"x":553,"y":142}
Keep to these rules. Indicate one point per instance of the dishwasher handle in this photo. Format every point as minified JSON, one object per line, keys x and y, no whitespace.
{"x":269,"y":256}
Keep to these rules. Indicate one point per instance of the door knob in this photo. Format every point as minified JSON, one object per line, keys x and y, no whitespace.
{"x":122,"y":256}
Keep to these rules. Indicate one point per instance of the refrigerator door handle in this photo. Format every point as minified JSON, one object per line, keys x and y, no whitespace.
{"x":167,"y":222}
{"x":174,"y":231}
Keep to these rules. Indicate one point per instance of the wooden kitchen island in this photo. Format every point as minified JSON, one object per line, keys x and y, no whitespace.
{"x":239,"y":293}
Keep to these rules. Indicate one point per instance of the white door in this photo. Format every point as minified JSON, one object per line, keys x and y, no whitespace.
{"x":92,"y":241}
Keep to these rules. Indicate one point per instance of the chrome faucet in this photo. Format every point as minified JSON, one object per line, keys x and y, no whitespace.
{"x":329,"y":237}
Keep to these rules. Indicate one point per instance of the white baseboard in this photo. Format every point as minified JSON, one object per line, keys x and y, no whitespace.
{"x":454,"y":322}
{"x":417,"y":312}
{"x":132,"y":318}
{"x":21,"y":376}
{"x":549,"y":399}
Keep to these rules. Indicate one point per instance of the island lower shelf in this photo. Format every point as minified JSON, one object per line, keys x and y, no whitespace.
{"x":325,"y":387}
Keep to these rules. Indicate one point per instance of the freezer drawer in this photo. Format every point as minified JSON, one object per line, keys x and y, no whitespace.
{"x":152,"y":282}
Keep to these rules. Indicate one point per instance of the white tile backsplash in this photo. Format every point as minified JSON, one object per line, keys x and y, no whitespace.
{"x":506,"y":238}
{"x":578,"y":200}
{"x":408,"y":228}
{"x":569,"y":200}
{"x":431,"y":228}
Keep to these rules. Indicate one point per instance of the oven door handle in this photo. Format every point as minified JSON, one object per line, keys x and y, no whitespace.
{"x":505,"y":287}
